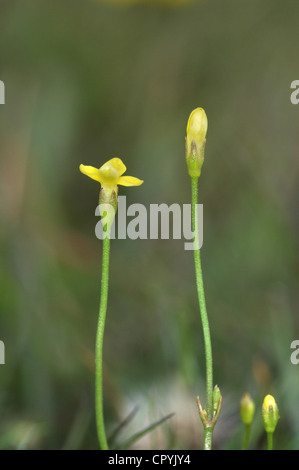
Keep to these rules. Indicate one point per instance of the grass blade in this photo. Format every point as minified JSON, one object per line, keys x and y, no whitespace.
{"x":122,"y":424}
{"x":144,"y":431}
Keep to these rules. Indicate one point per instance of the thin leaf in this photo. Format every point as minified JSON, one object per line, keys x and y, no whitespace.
{"x":144,"y":431}
{"x":122,"y":424}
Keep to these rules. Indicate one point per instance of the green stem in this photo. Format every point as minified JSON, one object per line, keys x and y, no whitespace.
{"x":99,"y":347}
{"x":204,"y":315}
{"x":208,"y":436}
{"x":246,"y":437}
{"x":270,"y":440}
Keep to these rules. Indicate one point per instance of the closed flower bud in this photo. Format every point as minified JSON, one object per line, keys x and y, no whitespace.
{"x":195,"y":141}
{"x":247,"y":409}
{"x":216,"y":398}
{"x":270,"y":414}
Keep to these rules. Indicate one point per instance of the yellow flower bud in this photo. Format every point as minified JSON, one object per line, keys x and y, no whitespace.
{"x":247,"y":409}
{"x":270,"y":414}
{"x":196,"y":140}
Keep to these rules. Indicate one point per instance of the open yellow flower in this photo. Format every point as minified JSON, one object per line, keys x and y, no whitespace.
{"x":110,"y":175}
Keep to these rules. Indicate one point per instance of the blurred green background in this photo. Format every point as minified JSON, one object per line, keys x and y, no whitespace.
{"x":86,"y":81}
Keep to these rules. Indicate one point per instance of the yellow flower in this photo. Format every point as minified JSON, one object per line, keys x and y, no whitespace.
{"x":197,"y":125}
{"x":110,"y":175}
{"x":197,"y":128}
{"x":270,"y":413}
{"x":269,"y":401}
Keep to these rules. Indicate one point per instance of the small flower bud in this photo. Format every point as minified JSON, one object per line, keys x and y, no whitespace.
{"x":247,"y":409}
{"x":216,"y":398}
{"x":270,"y":414}
{"x":195,"y":141}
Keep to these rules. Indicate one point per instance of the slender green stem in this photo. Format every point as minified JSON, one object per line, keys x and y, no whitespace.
{"x":203,"y":313}
{"x":99,"y":346}
{"x":246,"y":437}
{"x":208,"y":437}
{"x":270,"y":440}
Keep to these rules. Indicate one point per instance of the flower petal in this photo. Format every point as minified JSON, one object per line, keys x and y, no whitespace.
{"x":108,"y":174}
{"x":129,"y":181}
{"x":118,"y":164}
{"x":90,"y":171}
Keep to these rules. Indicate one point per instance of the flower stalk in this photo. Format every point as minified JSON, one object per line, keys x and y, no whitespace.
{"x":202,"y":302}
{"x":109,"y":176}
{"x":99,"y":347}
{"x":195,"y":148}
